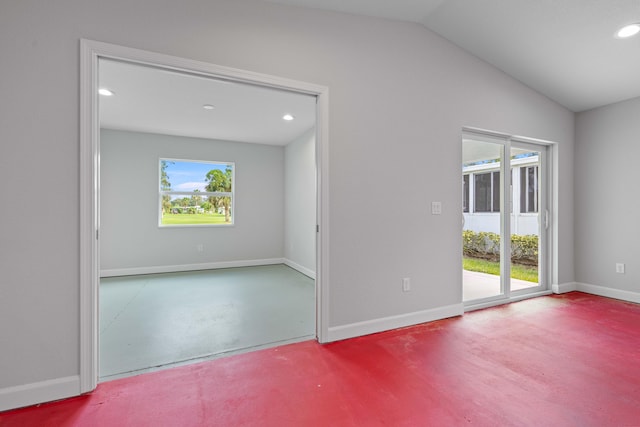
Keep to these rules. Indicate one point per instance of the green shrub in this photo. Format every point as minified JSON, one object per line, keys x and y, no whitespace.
{"x":486,"y":245}
{"x":524,"y":249}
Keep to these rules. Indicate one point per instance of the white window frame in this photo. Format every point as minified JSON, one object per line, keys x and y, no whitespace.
{"x":206,"y":194}
{"x":467,"y":192}
{"x":472,"y":180}
{"x":524,"y":184}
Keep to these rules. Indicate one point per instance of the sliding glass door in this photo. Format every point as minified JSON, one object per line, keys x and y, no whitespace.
{"x":529,"y":217}
{"x":501,"y":198}
{"x":482,"y":206}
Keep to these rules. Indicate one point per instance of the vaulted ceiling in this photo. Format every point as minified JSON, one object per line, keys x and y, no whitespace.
{"x":564,"y":49}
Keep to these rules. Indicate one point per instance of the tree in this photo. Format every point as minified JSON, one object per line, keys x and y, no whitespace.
{"x":220,"y":182}
{"x":196,"y":199}
{"x":214,"y":203}
{"x":165,"y":185}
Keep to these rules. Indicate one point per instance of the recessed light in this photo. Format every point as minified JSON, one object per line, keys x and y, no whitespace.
{"x":288,"y":117}
{"x":208,"y":107}
{"x":628,"y":31}
{"x":105,"y":92}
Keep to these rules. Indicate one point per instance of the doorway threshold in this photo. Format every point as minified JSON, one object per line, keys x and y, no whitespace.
{"x":479,"y":305}
{"x":204,"y":358}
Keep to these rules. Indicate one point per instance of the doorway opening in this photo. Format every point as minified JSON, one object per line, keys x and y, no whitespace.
{"x":505,"y":192}
{"x":93,"y":54}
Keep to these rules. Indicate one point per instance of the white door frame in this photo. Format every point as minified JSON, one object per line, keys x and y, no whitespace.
{"x":544,"y":214}
{"x":548,"y":237}
{"x":90,"y":52}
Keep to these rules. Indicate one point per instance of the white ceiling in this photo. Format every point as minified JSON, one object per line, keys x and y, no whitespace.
{"x":564,"y":49}
{"x":160,"y":101}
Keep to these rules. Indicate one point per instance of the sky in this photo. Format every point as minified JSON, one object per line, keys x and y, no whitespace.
{"x":189,"y":175}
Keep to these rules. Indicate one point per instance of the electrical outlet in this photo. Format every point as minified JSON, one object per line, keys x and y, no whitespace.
{"x":620,"y":268}
{"x":436,"y":208}
{"x":200,"y":247}
{"x":406,"y":284}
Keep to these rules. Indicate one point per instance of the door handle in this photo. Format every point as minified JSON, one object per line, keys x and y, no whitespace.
{"x":546,"y":219}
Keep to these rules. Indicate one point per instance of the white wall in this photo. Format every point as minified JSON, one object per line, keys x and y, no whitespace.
{"x":606,"y":230}
{"x":300,"y":203}
{"x":131,"y":239}
{"x":399,"y":96}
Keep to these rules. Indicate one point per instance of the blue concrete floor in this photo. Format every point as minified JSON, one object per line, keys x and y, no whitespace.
{"x":161,"y":320}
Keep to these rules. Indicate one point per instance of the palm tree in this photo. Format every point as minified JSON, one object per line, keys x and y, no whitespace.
{"x":220,"y":182}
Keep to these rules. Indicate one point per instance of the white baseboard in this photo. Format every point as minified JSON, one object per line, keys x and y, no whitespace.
{"x":393,"y":322}
{"x":43,"y":391}
{"x":562,"y":288}
{"x":189,"y":267}
{"x":605,"y":291}
{"x":304,"y":270}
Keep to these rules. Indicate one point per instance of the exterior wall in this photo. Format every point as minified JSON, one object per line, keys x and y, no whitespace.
{"x":521,"y":223}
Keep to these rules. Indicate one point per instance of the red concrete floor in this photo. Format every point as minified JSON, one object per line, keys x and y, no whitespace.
{"x":570,"y":360}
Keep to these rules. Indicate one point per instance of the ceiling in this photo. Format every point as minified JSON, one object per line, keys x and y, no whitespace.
{"x":155,"y":100}
{"x":564,"y":49}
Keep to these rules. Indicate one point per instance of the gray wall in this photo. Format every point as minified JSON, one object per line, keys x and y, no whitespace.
{"x":606,"y":229}
{"x":399,"y":96}
{"x":131,"y":238}
{"x":300,"y":202}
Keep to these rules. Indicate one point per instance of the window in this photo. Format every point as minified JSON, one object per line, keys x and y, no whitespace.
{"x":486,"y":191}
{"x":529,"y":189}
{"x":465,"y":193}
{"x":195,"y":192}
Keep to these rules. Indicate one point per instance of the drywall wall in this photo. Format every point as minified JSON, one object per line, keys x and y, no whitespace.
{"x":131,"y":239}
{"x":399,"y":96}
{"x":300,"y":203}
{"x":606,"y":160}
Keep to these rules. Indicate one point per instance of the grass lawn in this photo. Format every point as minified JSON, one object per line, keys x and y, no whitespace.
{"x":190,"y":219}
{"x":530,"y":274}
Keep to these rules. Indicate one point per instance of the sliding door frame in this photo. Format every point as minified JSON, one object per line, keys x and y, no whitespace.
{"x":546,"y":212}
{"x":544,"y":215}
